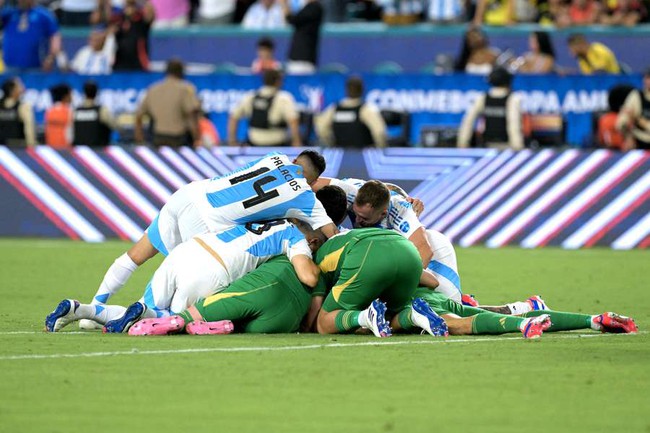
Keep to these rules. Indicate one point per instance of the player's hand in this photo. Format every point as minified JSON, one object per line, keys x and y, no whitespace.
{"x":417,"y":204}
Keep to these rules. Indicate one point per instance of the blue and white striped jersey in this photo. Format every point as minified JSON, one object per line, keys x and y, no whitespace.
{"x":244,"y":247}
{"x":266,"y":189}
{"x":400,"y":218}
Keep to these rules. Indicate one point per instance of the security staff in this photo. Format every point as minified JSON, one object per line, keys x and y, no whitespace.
{"x":92,"y":122}
{"x":269,"y":110}
{"x":501,"y":110}
{"x":16,"y":117}
{"x":634,"y":118}
{"x":352,"y":123}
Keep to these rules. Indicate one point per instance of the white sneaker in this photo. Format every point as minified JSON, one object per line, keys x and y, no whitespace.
{"x":377,"y":320}
{"x":89,"y":325}
{"x":424,"y":317}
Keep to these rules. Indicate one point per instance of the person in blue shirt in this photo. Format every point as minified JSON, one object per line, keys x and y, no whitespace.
{"x":31,"y":36}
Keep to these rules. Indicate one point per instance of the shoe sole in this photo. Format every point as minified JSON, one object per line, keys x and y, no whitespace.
{"x":156,"y":327}
{"x":436,"y":325}
{"x":221,"y":327}
{"x":123,"y":324}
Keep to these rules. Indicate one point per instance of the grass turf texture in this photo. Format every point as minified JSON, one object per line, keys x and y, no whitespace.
{"x":486,"y":384}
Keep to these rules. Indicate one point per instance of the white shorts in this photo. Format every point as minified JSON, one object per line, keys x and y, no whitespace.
{"x":178,"y":221}
{"x":188,"y":274}
{"x":444,"y":265}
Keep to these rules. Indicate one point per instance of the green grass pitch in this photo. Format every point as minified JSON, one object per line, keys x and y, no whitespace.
{"x":89,"y":382}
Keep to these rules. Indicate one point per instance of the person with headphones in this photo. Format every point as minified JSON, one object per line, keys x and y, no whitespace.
{"x":501,"y":110}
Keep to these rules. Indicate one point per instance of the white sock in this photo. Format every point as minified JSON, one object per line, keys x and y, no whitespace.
{"x":518,"y":308}
{"x":363,"y":319}
{"x":99,"y":313}
{"x":115,"y":278}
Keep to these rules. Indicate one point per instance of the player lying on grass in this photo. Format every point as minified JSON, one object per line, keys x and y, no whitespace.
{"x":199,"y":267}
{"x":271,"y":299}
{"x":272,"y":187}
{"x":465,"y":320}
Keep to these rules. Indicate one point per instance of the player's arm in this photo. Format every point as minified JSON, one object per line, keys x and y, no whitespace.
{"x":320,"y":182}
{"x":419,"y":239}
{"x":306,"y":269}
{"x":309,"y":322}
{"x":418,"y":205}
{"x":427,"y":279}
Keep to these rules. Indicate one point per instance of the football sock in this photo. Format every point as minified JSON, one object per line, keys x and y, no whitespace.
{"x":493,"y":323}
{"x":518,"y":308}
{"x":564,"y":321}
{"x":186,"y":316}
{"x":404,"y":319}
{"x":99,"y":313}
{"x":349,"y":320}
{"x":116,"y":276}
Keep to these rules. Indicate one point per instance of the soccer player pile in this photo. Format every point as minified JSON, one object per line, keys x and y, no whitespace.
{"x":261,"y":250}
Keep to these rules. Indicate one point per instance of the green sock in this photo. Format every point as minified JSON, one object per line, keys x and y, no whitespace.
{"x":347,"y":320}
{"x":187,"y":317}
{"x":404,"y":319}
{"x":564,"y":321}
{"x":493,"y":323}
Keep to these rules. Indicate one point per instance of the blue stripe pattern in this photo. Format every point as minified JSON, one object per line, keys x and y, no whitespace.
{"x":153,"y":232}
{"x":445,"y":271}
{"x":232,"y":234}
{"x":305,"y":203}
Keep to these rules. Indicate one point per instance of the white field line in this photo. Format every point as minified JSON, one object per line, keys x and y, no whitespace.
{"x":288,"y":348}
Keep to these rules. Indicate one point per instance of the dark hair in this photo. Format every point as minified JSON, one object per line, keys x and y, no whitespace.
{"x":90,"y":89}
{"x":500,"y":77}
{"x":175,"y":68}
{"x":271,"y":77}
{"x":576,"y":37}
{"x":59,"y":92}
{"x":334,"y":201}
{"x":266,"y":43}
{"x":354,"y":87}
{"x":545,"y":43}
{"x":465,"y":52}
{"x":8,"y":87}
{"x":374,"y":193}
{"x":316,"y":160}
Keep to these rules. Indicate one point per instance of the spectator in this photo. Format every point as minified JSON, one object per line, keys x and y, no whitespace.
{"x":608,"y":134}
{"x":97,"y":57}
{"x":17,"y":127}
{"x":446,"y":11}
{"x":172,"y":107}
{"x":584,"y":12}
{"x":93,"y":123}
{"x":102,"y":14}
{"x":29,"y":30}
{"x":265,"y":60}
{"x":132,"y":36}
{"x":269,"y":111}
{"x":553,"y":12}
{"x":240,"y":9}
{"x":58,"y":118}
{"x":303,"y":54}
{"x":494,"y":12}
{"x":171,"y":14}
{"x":624,"y":13}
{"x":76,"y":13}
{"x":593,"y":58}
{"x":216,"y":12}
{"x":476,"y":57}
{"x":402,"y":12}
{"x":501,"y":110}
{"x":352,"y":123}
{"x":634,"y":118}
{"x":264,"y":15}
{"x":541,"y":57}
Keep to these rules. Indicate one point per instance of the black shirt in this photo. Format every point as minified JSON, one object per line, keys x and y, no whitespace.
{"x":132,"y":39}
{"x":306,"y":23}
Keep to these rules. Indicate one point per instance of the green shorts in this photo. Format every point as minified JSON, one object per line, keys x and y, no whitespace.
{"x":270,"y":299}
{"x":388,"y":268}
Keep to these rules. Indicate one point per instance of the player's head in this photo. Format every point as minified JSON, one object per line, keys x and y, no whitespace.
{"x":371,"y":204}
{"x":334,"y":201}
{"x":272,"y":78}
{"x":312,"y":163}
{"x":61,"y":93}
{"x":578,"y":44}
{"x":12,"y":88}
{"x":315,"y":238}
{"x":175,"y":68}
